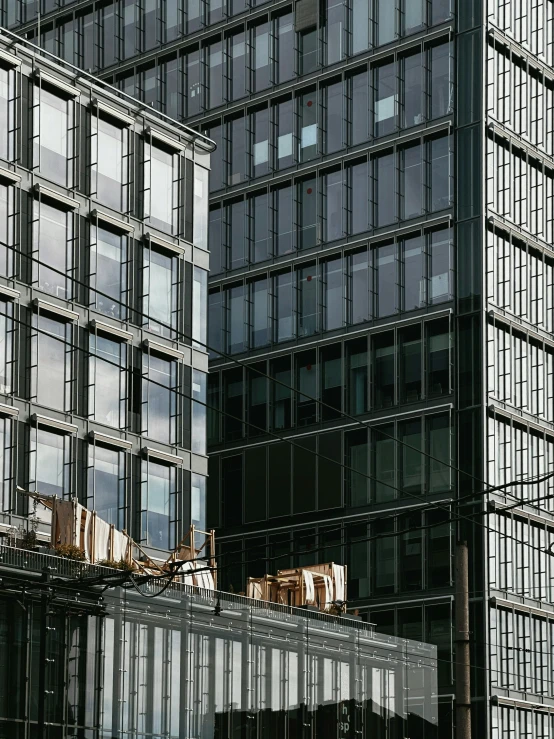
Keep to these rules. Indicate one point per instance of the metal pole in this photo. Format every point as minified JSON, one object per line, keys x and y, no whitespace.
{"x":463,"y":691}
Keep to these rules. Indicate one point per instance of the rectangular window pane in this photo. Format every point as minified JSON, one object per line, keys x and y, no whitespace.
{"x":386,"y":279}
{"x":307,"y":114}
{"x":384,"y":465}
{"x":200,"y":207}
{"x":411,"y":174}
{"x":109,"y":177}
{"x":285,"y":127}
{"x":412,"y":90}
{"x":199,"y":395}
{"x":441,"y":173}
{"x":411,"y":456}
{"x":283,"y":307}
{"x":385,"y":98}
{"x":358,"y":197}
{"x":237,"y":164}
{"x":260,"y":142}
{"x":215,"y":74}
{"x":333,"y":299}
{"x":335,"y":30}
{"x":281,"y":393}
{"x":260,"y":62}
{"x":385,"y":189}
{"x":106,"y":484}
{"x":306,"y":382}
{"x":283,"y":219}
{"x":49,"y":473}
{"x":52,"y":132}
{"x":333,"y":184}
{"x":414,"y":15}
{"x":237,"y":234}
{"x":259,"y":305}
{"x":386,"y":21}
{"x":285,"y":48}
{"x":356,"y":386}
{"x":441,"y":85}
{"x":259,"y":221}
{"x":158,"y":504}
{"x":440,"y":280}
{"x":160,"y":282}
{"x":107,"y":381}
{"x":358,"y":287}
{"x":334,"y":116}
{"x":194,"y":81}
{"x":108,"y":271}
{"x":331,"y":382}
{"x":237,"y":81}
{"x":438,"y":360}
{"x":360,"y":25}
{"x":159,"y":398}
{"x":413,"y":265}
{"x":307,"y":300}
{"x":53,"y":246}
{"x":384,"y":370}
{"x":199,"y":303}
{"x":162,"y":184}
{"x":359,"y":108}
{"x":307,"y":213}
{"x":236,"y":319}
{"x":51,"y":363}
{"x":410,"y":364}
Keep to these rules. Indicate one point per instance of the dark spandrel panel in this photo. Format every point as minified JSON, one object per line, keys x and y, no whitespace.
{"x":305,"y":14}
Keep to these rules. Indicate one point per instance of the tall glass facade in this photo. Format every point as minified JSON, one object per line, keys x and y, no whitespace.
{"x":103,"y":287}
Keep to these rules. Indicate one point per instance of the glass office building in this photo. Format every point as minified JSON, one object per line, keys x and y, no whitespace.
{"x":196,"y":664}
{"x":103,"y":294}
{"x":380,"y":228}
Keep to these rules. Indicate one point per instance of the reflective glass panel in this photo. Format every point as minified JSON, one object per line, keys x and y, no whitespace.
{"x":259,"y":302}
{"x":285,"y":48}
{"x":332,"y":294}
{"x":360,"y":25}
{"x":260,"y":142}
{"x":108,"y":271}
{"x":53,"y":246}
{"x":107,"y":381}
{"x":441,"y":86}
{"x":159,"y":398}
{"x":385,"y":189}
{"x":385,"y":98}
{"x":237,"y":164}
{"x":158,"y":502}
{"x":334,"y":115}
{"x":200,"y":207}
{"x":441,"y":173}
{"x":307,"y":213}
{"x":109,"y":177}
{"x":359,"y":107}
{"x":106,"y":484}
{"x":162,"y":192}
{"x":51,"y":363}
{"x":383,"y":370}
{"x":260,"y":54}
{"x":335,"y":30}
{"x":411,"y":176}
{"x":358,"y":287}
{"x":440,"y":265}
{"x":259,"y":221}
{"x":199,"y":303}
{"x":386,"y":21}
{"x":410,"y":364}
{"x":386,"y":279}
{"x":285,"y":125}
{"x":215,"y":74}
{"x":198,"y":432}
{"x":357,"y":368}
{"x":333,"y":184}
{"x":160,"y":283}
{"x":54,"y":136}
{"x":307,"y":300}
{"x":49,"y":463}
{"x":284,"y":327}
{"x":358,"y":198}
{"x":307,"y":114}
{"x":236,"y":317}
{"x":412,"y":90}
{"x":283,"y":219}
{"x":413,"y":262}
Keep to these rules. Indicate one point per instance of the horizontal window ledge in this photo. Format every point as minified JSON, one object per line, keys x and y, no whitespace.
{"x":113,"y":441}
{"x":43,"y":306}
{"x":9,"y":293}
{"x":49,"y":79}
{"x":499,"y":700}
{"x":496,"y":602}
{"x":156,"y":454}
{"x":500,"y":508}
{"x":161,"y":243}
{"x":8,"y":411}
{"x":9,"y":59}
{"x":500,"y":408}
{"x":167,"y":351}
{"x":7,"y":175}
{"x":499,"y":131}
{"x":113,"y":113}
{"x":47,"y":194}
{"x":53,"y":423}
{"x":500,"y":315}
{"x":161,"y":138}
{"x":114,"y":331}
{"x":111,"y":221}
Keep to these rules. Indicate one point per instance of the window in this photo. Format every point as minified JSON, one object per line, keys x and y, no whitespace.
{"x":410,"y":364}
{"x":216,"y":158}
{"x":260,"y":142}
{"x":285,"y":48}
{"x":384,"y":258}
{"x":281,"y":393}
{"x":6,"y":348}
{"x":259,"y":227}
{"x":332,"y":294}
{"x":412,"y":88}
{"x":260,"y":314}
{"x":307,"y":213}
{"x":386,"y":16}
{"x":51,"y":363}
{"x":307,"y":117}
{"x":284,"y":326}
{"x":199,"y":304}
{"x":306,"y":382}
{"x":198,"y":501}
{"x":159,"y":398}
{"x":335,"y":31}
{"x":438,"y":361}
{"x":7,"y":113}
{"x":331,"y":382}
{"x":108,"y":271}
{"x":440,"y":11}
{"x":171,"y":22}
{"x":215,"y":74}
{"x":106,"y":478}
{"x":360,"y":25}
{"x":413,"y":268}
{"x":257,"y":401}
{"x":357,"y":369}
{"x":411,"y":456}
{"x":333,"y":208}
{"x":238,"y":245}
{"x":233,"y":404}
{"x":358,"y":92}
{"x":198,"y":435}
{"x":358,"y":198}
{"x":107,"y":381}
{"x":215,"y":322}
{"x":410,"y":567}
{"x":7,"y":228}
{"x":159,"y":291}
{"x":307,"y":300}
{"x":440,"y":190}
{"x":384,"y":190}
{"x":200,"y":207}
{"x":6,"y":504}
{"x":309,"y":60}
{"x":236,"y":319}
{"x":358,"y":287}
{"x":384,"y":370}
{"x":414,"y":16}
{"x":109,"y":163}
{"x":161,"y":188}
{"x":53,"y":246}
{"x":260,"y":54}
{"x":440,"y":252}
{"x":357,"y":458}
{"x":53,"y":131}
{"x":333,"y":114}
{"x":384,"y":467}
{"x":411,"y":186}
{"x":441,"y":80}
{"x":385,"y":97}
{"x":283,"y":219}
{"x":194,"y":79}
{"x":158,"y":504}
{"x":284,"y":118}
{"x":237,"y":163}
{"x":49,"y":463}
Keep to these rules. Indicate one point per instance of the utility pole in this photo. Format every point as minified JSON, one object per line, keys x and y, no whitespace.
{"x":463,"y":692}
